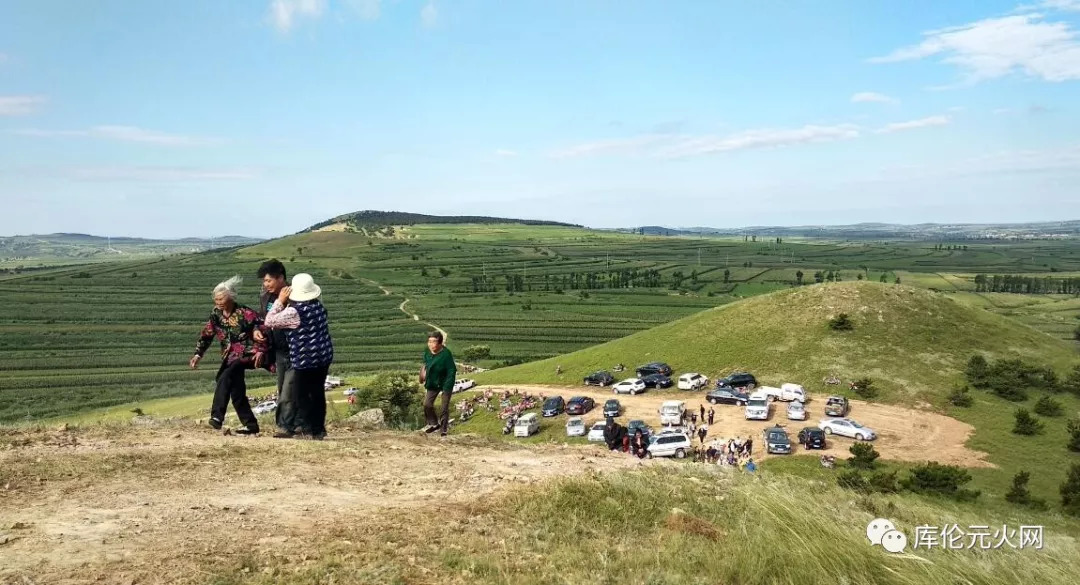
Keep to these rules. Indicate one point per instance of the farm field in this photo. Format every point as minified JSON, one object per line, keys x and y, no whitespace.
{"x":86,"y":337}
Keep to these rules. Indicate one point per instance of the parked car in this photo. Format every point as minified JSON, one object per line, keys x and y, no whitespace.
{"x":672,"y":411}
{"x":777,"y":441}
{"x":812,"y":438}
{"x":629,"y":386}
{"x":846,"y":427}
{"x":740,"y":380}
{"x":693,"y":381}
{"x":265,"y":407}
{"x":727,"y":395}
{"x":600,"y":378}
{"x":657,"y":381}
{"x":580,"y":405}
{"x":575,"y":427}
{"x":596,"y":432}
{"x":633,"y":426}
{"x":758,"y":407}
{"x":670,"y":444}
{"x":837,"y":406}
{"x":463,"y":385}
{"x":654,"y":368}
{"x":796,"y":411}
{"x":351,"y":392}
{"x":553,"y":406}
{"x":786,"y":392}
{"x":612,"y":407}
{"x":527,"y":425}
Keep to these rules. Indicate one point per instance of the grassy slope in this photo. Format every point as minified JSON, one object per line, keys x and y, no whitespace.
{"x":912,"y":342}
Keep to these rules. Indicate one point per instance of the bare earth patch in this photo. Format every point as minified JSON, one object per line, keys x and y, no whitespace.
{"x":904,"y":434}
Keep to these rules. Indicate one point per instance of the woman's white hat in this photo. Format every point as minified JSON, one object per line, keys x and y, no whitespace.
{"x":304,"y":288}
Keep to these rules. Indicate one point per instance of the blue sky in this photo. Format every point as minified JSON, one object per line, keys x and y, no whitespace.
{"x":260,"y":118}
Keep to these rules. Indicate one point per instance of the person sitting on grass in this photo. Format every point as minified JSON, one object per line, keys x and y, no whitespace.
{"x":750,"y":466}
{"x":614,"y":433}
{"x":640,"y":446}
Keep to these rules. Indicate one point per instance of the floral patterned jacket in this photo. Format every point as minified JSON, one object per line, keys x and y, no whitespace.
{"x":236,"y":333}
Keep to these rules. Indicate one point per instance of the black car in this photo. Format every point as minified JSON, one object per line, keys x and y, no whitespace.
{"x":657,"y":381}
{"x":553,"y":406}
{"x":638,"y":425}
{"x":740,"y":380}
{"x":777,"y":441}
{"x":727,"y":395}
{"x":599,"y":379}
{"x":580,"y":405}
{"x":612,"y":407}
{"x":812,"y":438}
{"x":654,"y":368}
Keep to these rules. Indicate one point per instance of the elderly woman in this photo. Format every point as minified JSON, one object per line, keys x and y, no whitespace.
{"x":234,"y":326}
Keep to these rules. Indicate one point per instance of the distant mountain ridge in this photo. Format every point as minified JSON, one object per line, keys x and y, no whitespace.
{"x":370,"y":217}
{"x":88,"y":239}
{"x":1061,"y":229}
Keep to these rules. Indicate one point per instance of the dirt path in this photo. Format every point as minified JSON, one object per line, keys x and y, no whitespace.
{"x":401,"y":307}
{"x":904,"y":434}
{"x":138,"y":505}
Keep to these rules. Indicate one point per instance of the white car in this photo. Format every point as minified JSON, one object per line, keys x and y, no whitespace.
{"x":575,"y":427}
{"x":796,"y":411}
{"x":527,"y":425}
{"x":786,"y":392}
{"x":333,"y":381}
{"x":629,"y":386}
{"x":463,"y":385}
{"x":265,"y":407}
{"x":693,"y":381}
{"x":670,"y":444}
{"x":351,"y":392}
{"x":672,"y":411}
{"x":758,"y":406}
{"x":845,"y":427}
{"x":596,"y":433}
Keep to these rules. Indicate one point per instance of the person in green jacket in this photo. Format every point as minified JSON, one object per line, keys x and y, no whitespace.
{"x":437,"y":376}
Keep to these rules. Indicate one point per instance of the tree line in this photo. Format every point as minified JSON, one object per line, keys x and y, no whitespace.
{"x":1026,"y":285}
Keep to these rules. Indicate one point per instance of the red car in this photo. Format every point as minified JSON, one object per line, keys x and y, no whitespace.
{"x":579,"y":405}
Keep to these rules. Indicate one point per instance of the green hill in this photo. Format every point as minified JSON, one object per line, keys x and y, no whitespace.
{"x":913,"y":343}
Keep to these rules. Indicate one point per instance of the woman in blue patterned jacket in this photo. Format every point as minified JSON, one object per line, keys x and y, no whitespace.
{"x":301,"y":314}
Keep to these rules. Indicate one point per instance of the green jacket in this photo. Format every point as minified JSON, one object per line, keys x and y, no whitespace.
{"x":441,"y":370}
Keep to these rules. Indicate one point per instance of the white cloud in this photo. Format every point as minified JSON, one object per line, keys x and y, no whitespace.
{"x":505,"y":152}
{"x":161,"y":174}
{"x":285,"y":13}
{"x":913,"y":124}
{"x":122,"y":134}
{"x":429,"y":14}
{"x":19,"y":105}
{"x":1062,"y":5}
{"x":996,"y":47}
{"x":366,"y":9}
{"x":872,"y":97}
{"x":681,"y":146}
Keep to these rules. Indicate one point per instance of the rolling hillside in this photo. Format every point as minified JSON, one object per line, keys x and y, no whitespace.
{"x":911,"y":342}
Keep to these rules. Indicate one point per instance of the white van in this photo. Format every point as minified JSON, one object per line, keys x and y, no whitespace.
{"x":671,"y":412}
{"x":692,"y":381}
{"x":786,"y":392}
{"x":527,"y":425}
{"x":758,"y":406}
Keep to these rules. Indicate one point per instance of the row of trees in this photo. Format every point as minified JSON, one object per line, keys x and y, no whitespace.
{"x":581,"y":281}
{"x":1026,"y":285}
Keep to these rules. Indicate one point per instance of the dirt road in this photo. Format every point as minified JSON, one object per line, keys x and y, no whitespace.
{"x":145,"y":505}
{"x":904,"y":434}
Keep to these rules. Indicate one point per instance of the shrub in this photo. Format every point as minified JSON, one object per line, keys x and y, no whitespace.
{"x":853,"y":480}
{"x":476,"y":352}
{"x":1073,"y":427}
{"x":1019,"y":493}
{"x":933,"y":478}
{"x":1070,"y":491}
{"x":863,"y":456}
{"x":1027,"y":423}
{"x":977,"y":371}
{"x":1072,"y":382}
{"x":884,"y":482}
{"x":1047,"y":406}
{"x":841,"y":322}
{"x":961,"y":396}
{"x":864,"y":387}
{"x":444,"y":272}
{"x":397,"y":395}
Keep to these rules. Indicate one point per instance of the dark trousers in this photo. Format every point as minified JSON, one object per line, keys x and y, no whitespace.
{"x":232,"y":386}
{"x":287,"y":416}
{"x":440,"y":418}
{"x":311,"y":398}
